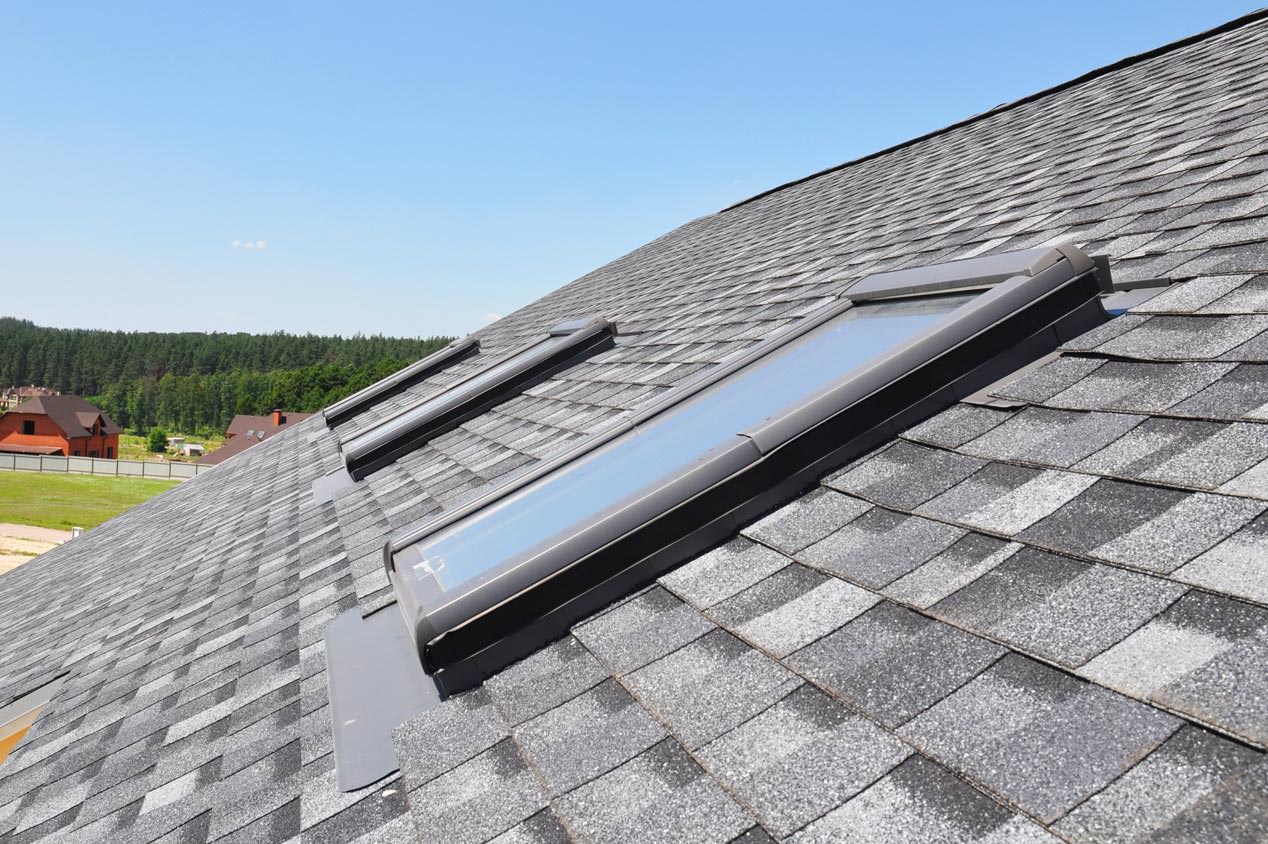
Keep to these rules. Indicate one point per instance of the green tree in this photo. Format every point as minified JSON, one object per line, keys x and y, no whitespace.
{"x":156,"y":441}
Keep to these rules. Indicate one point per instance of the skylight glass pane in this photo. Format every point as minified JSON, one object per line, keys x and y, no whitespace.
{"x":672,"y":442}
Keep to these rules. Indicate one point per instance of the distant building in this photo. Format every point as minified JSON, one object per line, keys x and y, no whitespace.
{"x":14,"y":396}
{"x":65,"y":425}
{"x":191,"y":449}
{"x":245,"y":431}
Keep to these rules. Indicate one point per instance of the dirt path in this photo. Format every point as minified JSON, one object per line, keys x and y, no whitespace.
{"x":21,"y":543}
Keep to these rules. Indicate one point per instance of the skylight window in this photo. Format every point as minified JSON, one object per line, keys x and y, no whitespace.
{"x":399,"y":381}
{"x":565,"y":345}
{"x":494,"y":580}
{"x":682,"y":475}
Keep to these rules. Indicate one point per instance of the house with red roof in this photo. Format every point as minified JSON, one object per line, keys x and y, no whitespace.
{"x":61,"y":425}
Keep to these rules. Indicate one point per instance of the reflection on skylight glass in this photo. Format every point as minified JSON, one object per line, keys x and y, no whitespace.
{"x":546,"y":510}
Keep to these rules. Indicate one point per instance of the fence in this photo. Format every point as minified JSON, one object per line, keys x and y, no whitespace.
{"x":101,"y":466}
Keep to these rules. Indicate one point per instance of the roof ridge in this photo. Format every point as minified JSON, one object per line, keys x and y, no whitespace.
{"x":1128,"y":61}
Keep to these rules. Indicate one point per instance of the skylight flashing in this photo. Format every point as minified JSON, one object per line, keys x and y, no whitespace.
{"x":564,"y":345}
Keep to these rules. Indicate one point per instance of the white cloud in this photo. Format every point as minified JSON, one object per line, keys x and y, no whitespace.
{"x":249,"y":244}
{"x":491,"y":317}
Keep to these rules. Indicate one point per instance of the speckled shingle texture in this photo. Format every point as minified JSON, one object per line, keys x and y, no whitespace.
{"x":1041,"y":621}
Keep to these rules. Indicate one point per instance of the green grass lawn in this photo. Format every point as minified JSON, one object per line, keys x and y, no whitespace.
{"x":132,"y":447}
{"x":44,"y":499}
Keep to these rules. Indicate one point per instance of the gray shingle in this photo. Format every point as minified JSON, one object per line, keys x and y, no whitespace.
{"x":1038,"y":737}
{"x":893,"y":663}
{"x":541,"y":828}
{"x":880,"y":546}
{"x":1180,"y":533}
{"x":922,"y":803}
{"x":1060,"y":609}
{"x":556,"y":673}
{"x":1103,"y":512}
{"x":1051,"y":437}
{"x":970,"y":557}
{"x":803,"y":756}
{"x":1250,"y":296}
{"x":477,"y":800}
{"x":1243,"y":391}
{"x":587,"y":736}
{"x":957,"y":425}
{"x":1185,"y":338}
{"x":1238,"y":565}
{"x":662,"y":795}
{"x":446,"y":736}
{"x":1147,"y":446}
{"x":1139,"y":387}
{"x":641,"y":630}
{"x":791,"y":608}
{"x":904,"y":474}
{"x":978,"y":491}
{"x":1165,"y":786}
{"x":706,"y":688}
{"x":807,"y":520}
{"x":723,"y":572}
{"x":1214,"y":669}
{"x":1050,"y":379}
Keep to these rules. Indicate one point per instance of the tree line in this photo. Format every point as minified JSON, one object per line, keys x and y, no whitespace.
{"x":196,"y":382}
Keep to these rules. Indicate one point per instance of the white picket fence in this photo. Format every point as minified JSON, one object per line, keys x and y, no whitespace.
{"x":101,"y":466}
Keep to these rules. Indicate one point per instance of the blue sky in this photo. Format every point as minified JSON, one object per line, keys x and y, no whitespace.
{"x":416,"y":169}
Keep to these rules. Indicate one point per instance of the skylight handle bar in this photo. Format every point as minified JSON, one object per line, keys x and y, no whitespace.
{"x":984,"y":271}
{"x":399,"y":381}
{"x":409,"y":429}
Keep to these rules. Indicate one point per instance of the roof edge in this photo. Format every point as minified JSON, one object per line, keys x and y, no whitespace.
{"x":1235,"y":23}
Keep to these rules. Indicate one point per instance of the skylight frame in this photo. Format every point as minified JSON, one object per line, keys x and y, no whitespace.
{"x":564,"y":345}
{"x":1035,"y":281}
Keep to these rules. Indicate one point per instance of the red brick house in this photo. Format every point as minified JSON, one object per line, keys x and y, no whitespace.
{"x":65,"y":425}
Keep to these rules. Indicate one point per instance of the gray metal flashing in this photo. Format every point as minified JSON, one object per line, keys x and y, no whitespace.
{"x":375,"y":684}
{"x":965,"y":274}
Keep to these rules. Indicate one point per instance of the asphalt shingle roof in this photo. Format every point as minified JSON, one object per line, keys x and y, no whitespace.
{"x":1037,"y":624}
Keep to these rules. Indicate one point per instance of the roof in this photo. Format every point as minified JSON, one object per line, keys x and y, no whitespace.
{"x":244,"y":422}
{"x":1037,"y":622}
{"x":19,"y":448}
{"x":72,"y":414}
{"x":259,"y":427}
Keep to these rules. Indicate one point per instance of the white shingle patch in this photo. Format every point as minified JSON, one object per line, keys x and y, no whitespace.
{"x":1238,"y":566}
{"x":170,"y":792}
{"x":1030,"y":502}
{"x":1253,"y":482}
{"x":1154,"y":656}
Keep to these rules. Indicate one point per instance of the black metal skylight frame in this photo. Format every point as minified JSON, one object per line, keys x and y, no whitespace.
{"x":1037,"y":299}
{"x":564,"y":346}
{"x":396,"y":383}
